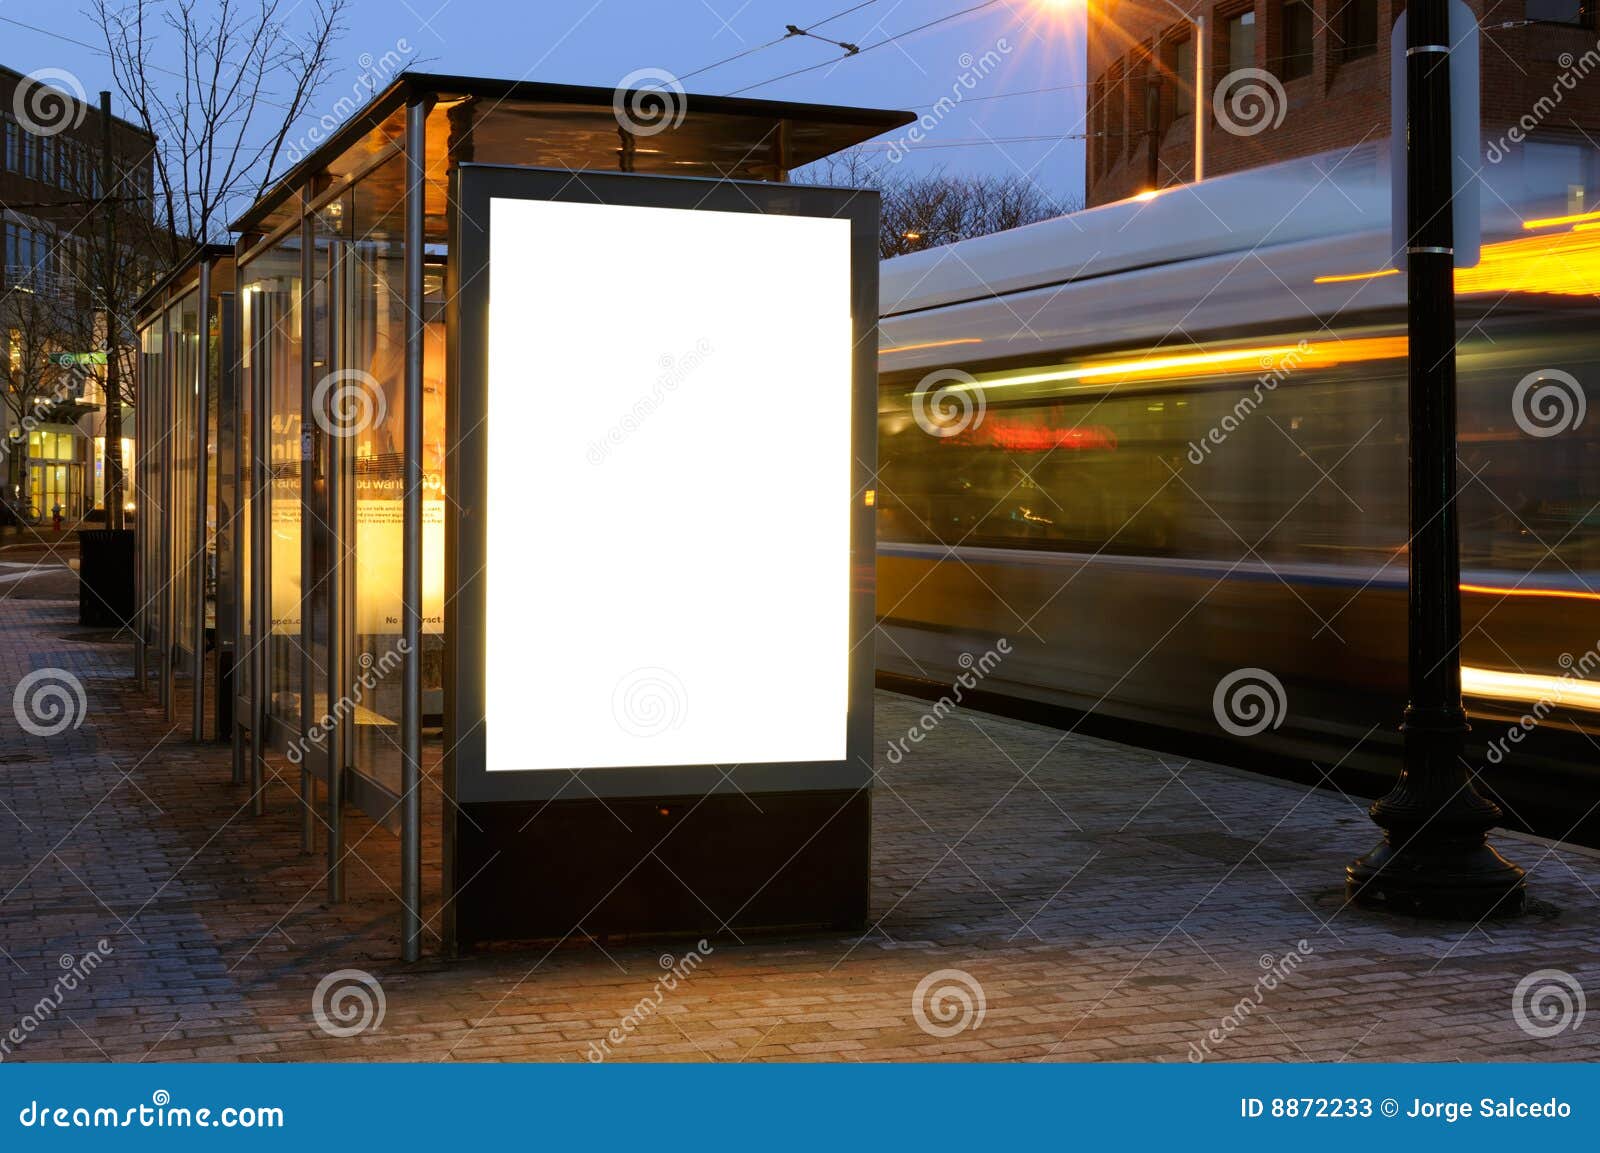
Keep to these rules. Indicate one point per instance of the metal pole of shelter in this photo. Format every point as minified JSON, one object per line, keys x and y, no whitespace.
{"x":1434,"y":858}
{"x":141,"y":610}
{"x":411,"y":550}
{"x":260,"y":537}
{"x":166,"y":602}
{"x":305,"y":450}
{"x":230,"y":367}
{"x":338,"y":674}
{"x":202,"y":405}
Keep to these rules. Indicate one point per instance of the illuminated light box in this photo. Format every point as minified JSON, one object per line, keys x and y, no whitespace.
{"x":662,"y":429}
{"x":690,"y":460}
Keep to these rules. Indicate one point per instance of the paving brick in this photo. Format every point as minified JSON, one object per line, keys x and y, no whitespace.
{"x":1100,"y":942}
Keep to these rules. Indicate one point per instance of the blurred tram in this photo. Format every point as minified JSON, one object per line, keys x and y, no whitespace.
{"x":1161,"y":441}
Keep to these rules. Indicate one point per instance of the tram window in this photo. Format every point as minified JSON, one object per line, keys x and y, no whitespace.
{"x":1183,"y":69}
{"x":1242,"y":41}
{"x":1296,"y":41}
{"x":1359,"y":29}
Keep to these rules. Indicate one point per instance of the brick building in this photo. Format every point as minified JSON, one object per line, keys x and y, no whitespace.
{"x":1328,"y":61}
{"x":52,"y":241}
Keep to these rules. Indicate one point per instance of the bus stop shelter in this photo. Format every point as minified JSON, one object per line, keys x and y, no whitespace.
{"x":408,"y":556}
{"x":183,"y":487}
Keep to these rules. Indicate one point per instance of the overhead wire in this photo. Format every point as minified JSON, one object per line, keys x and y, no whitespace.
{"x":865,"y":48}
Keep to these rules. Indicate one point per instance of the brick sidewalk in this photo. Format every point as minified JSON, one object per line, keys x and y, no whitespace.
{"x":1100,"y":903}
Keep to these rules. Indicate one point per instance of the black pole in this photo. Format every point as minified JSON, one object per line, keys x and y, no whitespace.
{"x":113,"y":450}
{"x":1152,"y":131}
{"x":1434,"y":858}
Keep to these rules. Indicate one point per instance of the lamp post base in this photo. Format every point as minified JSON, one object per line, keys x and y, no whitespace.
{"x":1456,"y":879}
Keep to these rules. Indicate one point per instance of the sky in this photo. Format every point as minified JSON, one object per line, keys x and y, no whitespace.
{"x":997,"y":55}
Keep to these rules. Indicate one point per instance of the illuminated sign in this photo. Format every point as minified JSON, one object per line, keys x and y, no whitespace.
{"x":670,"y":482}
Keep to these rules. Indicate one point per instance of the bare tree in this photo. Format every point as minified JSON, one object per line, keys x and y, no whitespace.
{"x":223,"y":115}
{"x":934,"y":208}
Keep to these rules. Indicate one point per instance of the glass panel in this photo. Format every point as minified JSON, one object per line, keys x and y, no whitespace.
{"x":374,"y":351}
{"x":328,"y":226}
{"x":245,"y":493}
{"x":183,"y":324}
{"x":214,"y":535}
{"x":1183,"y":69}
{"x":272,"y":294}
{"x":1242,"y":42}
{"x":1298,"y":44}
{"x":146,"y":499}
{"x":1360,"y":28}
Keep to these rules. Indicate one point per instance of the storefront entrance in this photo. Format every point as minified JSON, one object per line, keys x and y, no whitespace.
{"x":54,"y":476}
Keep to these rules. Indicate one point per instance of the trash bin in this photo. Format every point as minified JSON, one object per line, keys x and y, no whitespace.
{"x":105,"y":577}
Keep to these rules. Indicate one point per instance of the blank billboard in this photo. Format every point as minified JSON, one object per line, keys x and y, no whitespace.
{"x":669,"y":506}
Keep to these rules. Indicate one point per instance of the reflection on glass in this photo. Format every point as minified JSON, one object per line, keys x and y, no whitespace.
{"x":272,"y":292}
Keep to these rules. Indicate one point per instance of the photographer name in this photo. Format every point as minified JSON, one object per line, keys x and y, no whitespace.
{"x":1492,"y":1108}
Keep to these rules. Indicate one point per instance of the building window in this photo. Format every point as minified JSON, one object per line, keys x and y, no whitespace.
{"x":1183,"y":69}
{"x":1559,"y":11}
{"x":1116,"y":121}
{"x":13,"y":145}
{"x":1295,"y":23}
{"x":1242,"y":41}
{"x":1358,"y":29}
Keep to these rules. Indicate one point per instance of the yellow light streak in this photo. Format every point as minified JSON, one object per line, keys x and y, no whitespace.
{"x":1342,"y":278}
{"x":1560,"y":594}
{"x":1551,"y":221}
{"x":1562,"y":264}
{"x":931,"y":344}
{"x":1493,"y":684}
{"x":1262,"y":360}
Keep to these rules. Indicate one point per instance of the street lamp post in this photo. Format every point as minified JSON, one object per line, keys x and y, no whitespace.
{"x":1434,"y":858}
